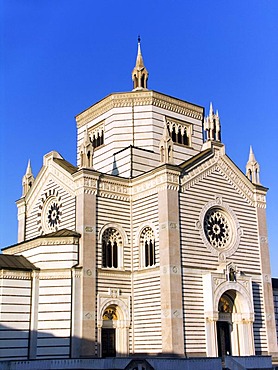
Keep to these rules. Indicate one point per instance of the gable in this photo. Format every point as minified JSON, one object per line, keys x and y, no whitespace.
{"x":50,"y":203}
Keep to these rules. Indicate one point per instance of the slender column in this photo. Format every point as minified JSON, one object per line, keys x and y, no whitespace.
{"x":170,"y":272}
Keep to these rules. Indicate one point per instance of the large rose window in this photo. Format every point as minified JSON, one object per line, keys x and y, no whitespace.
{"x":217,"y":228}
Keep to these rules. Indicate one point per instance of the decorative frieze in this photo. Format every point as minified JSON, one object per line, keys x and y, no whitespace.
{"x":154,"y":183}
{"x":55,"y":274}
{"x":15,"y":275}
{"x":41,"y":241}
{"x":142,"y":98}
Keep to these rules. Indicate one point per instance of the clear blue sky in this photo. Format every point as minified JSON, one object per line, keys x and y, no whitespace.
{"x":58,"y":57}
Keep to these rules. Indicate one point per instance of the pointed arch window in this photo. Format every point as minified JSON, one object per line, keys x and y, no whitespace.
{"x":148,"y":252}
{"x":111,"y":244}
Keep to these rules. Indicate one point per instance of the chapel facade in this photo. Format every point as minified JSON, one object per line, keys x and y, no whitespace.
{"x":155,"y":243}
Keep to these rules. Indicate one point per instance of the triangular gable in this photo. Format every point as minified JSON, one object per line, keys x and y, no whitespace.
{"x":55,"y":169}
{"x":201,"y":166}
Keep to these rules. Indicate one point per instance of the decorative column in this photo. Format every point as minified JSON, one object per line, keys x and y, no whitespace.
{"x":170,"y":263}
{"x":86,"y":182}
{"x":245,"y":336}
{"x":211,"y":335}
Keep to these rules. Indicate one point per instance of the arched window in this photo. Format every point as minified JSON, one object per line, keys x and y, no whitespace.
{"x":111,"y":241}
{"x":148,"y":247}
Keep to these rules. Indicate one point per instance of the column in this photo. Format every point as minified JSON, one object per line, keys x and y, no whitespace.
{"x":86,"y":226}
{"x":170,"y":271}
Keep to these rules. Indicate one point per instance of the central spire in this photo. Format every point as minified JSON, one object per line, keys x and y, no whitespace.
{"x":139,"y":73}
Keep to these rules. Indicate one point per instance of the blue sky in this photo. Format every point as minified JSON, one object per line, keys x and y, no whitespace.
{"x":59,"y":57}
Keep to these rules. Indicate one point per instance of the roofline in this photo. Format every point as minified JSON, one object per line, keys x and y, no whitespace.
{"x":142,"y":97}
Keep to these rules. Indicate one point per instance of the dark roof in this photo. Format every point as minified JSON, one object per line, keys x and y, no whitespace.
{"x":194,"y":160}
{"x":11,"y":262}
{"x":62,"y":232}
{"x":66,"y":165}
{"x":275,"y":283}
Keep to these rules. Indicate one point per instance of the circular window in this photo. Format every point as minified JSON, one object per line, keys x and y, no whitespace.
{"x":217,"y":228}
{"x":50,"y":212}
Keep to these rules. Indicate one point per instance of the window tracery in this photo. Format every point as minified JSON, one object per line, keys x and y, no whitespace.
{"x":148,"y":247}
{"x":217,"y":228}
{"x":111,"y":242}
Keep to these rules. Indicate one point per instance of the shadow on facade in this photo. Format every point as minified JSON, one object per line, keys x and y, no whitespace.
{"x":115,"y":170}
{"x":258,"y":320}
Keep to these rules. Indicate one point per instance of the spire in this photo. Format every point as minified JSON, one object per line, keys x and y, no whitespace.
{"x":139,"y":73}
{"x":27,"y":180}
{"x":86,"y":151}
{"x":166,"y":145}
{"x":253,"y":168}
{"x":212,"y":125}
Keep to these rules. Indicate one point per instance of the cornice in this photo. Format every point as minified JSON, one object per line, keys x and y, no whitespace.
{"x":55,"y":274}
{"x":15,"y":274}
{"x":162,"y":178}
{"x":41,"y":241}
{"x":129,"y":99}
{"x":113,"y":273}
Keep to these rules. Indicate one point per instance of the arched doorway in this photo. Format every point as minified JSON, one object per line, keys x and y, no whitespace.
{"x":113,"y":318}
{"x":229,"y":314}
{"x":108,"y":332}
{"x":234,"y":325}
{"x":224,"y":325}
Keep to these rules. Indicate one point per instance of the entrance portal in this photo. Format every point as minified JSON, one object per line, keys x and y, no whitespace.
{"x":108,"y":340}
{"x":224,"y":339}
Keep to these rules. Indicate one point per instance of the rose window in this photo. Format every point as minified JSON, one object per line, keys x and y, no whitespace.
{"x":217,"y":228}
{"x":53,"y":215}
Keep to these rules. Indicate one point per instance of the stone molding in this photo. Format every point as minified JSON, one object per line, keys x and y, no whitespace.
{"x":15,"y":275}
{"x":114,"y":297}
{"x":113,"y":272}
{"x":216,"y":284}
{"x":55,"y":274}
{"x":52,"y":172}
{"x":163,"y":180}
{"x":142,"y":98}
{"x":237,"y":179}
{"x":42,"y":241}
{"x":236,"y":231}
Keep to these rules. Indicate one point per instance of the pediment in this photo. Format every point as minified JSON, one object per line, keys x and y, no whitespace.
{"x":222,"y":164}
{"x":54,"y":171}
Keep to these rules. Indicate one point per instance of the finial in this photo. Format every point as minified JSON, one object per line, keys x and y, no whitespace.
{"x":210,"y":109}
{"x":139,"y":73}
{"x":27,"y":180}
{"x":253,"y":168}
{"x":212,"y":125}
{"x":251,"y":155}
{"x":29,"y":170}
